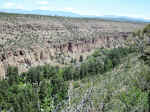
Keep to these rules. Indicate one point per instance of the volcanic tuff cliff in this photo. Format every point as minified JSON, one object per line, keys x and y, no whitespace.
{"x":27,"y":40}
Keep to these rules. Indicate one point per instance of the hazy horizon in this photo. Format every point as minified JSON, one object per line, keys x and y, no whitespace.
{"x":134,"y":8}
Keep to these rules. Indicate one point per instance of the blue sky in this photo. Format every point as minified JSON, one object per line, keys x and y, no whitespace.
{"x":131,"y":8}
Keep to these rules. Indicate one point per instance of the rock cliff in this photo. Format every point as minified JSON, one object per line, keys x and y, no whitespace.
{"x":39,"y":40}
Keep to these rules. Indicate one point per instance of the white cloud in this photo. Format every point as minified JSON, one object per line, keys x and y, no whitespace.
{"x":42,"y":2}
{"x":52,"y":8}
{"x":147,"y":18}
{"x":44,"y":8}
{"x":69,"y":9}
{"x":19,"y":6}
{"x":9,"y":5}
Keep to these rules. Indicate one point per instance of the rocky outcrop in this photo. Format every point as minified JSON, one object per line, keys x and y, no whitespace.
{"x":50,"y":53}
{"x":39,"y":40}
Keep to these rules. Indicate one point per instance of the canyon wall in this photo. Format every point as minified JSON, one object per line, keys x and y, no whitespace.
{"x":51,"y":53}
{"x":38,"y":40}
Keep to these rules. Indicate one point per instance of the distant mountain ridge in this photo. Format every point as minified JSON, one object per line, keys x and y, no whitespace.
{"x":71,"y":14}
{"x":41,"y":12}
{"x":125,"y":18}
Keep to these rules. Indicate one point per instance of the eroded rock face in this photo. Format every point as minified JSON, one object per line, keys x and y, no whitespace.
{"x":2,"y":71}
{"x":24,"y":59}
{"x":39,"y":40}
{"x":50,"y":53}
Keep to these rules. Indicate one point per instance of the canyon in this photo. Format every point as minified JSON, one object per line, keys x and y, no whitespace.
{"x":30,"y":40}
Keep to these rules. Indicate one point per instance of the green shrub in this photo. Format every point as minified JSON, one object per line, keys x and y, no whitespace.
{"x":135,"y":100}
{"x":50,"y":71}
{"x":35,"y":75}
{"x":18,"y":99}
{"x":81,"y":59}
{"x":108,"y":64}
{"x":143,"y":79}
{"x":12,"y":75}
{"x":146,"y":30}
{"x":76,"y":85}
